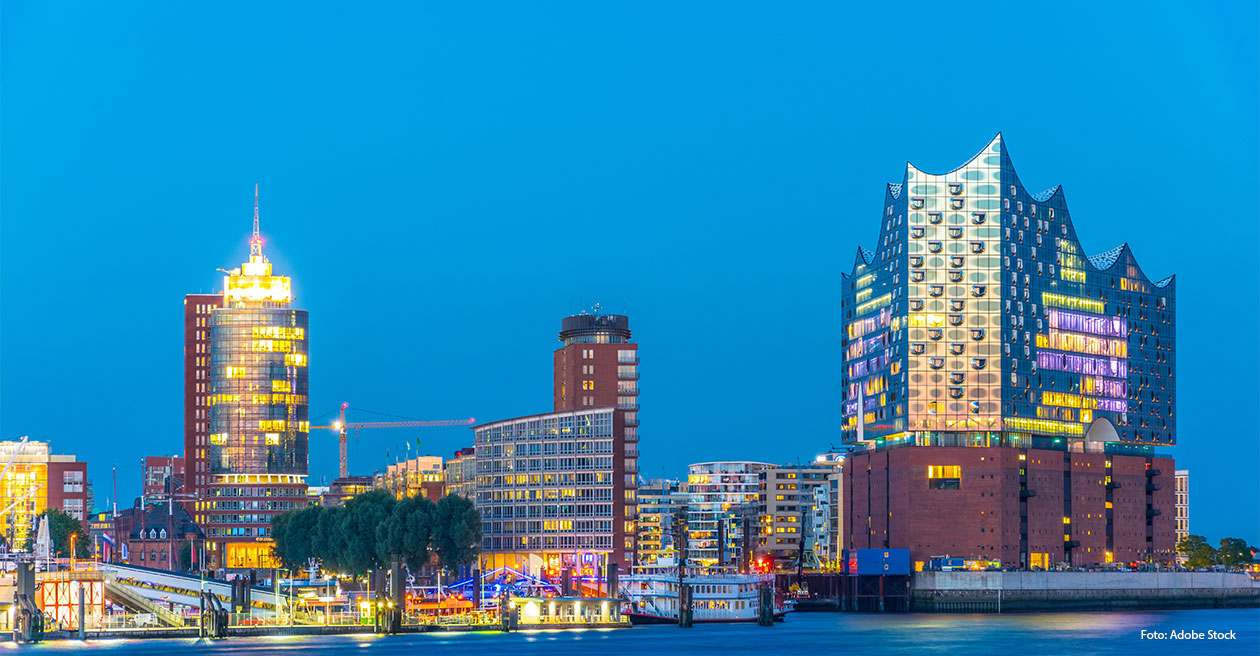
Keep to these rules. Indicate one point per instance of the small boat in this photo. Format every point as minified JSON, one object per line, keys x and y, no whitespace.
{"x":719,"y":594}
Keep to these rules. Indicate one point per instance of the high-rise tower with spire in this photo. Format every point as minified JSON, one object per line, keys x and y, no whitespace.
{"x":255,"y":452}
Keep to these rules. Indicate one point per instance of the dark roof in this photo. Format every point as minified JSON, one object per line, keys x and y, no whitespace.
{"x":158,"y":518}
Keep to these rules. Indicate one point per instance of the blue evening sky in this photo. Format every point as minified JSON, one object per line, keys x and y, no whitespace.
{"x":445,"y":184}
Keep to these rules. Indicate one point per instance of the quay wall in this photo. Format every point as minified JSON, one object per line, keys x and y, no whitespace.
{"x":979,"y":592}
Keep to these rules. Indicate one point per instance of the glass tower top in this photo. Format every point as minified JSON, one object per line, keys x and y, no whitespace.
{"x":978,"y":317}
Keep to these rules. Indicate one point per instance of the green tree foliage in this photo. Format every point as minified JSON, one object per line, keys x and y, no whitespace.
{"x":456,"y":531}
{"x":373,"y":527}
{"x":408,"y":532}
{"x":61,"y":527}
{"x":1197,"y":551}
{"x":185,"y":556}
{"x":1234,"y":552}
{"x":362,"y":517}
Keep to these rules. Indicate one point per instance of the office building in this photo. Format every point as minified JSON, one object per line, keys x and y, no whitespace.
{"x":162,"y":476}
{"x":979,"y":335}
{"x":420,"y":476}
{"x":793,"y":508}
{"x":715,"y":532}
{"x":553,"y":492}
{"x":598,"y":365}
{"x":197,"y":309}
{"x":1182,"y":503}
{"x":345,"y":488}
{"x":37,"y":480}
{"x":258,"y":412}
{"x":659,"y":500}
{"x":461,"y":474}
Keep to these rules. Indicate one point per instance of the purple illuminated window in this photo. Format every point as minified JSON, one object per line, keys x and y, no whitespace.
{"x":1088,"y":323}
{"x":1083,"y":364}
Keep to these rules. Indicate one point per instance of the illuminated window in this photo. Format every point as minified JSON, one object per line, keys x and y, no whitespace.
{"x":944,"y":477}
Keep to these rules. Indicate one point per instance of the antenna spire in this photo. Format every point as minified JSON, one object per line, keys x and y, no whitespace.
{"x":255,"y":242}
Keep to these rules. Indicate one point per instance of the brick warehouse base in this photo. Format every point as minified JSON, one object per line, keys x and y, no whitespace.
{"x":1022,"y":507}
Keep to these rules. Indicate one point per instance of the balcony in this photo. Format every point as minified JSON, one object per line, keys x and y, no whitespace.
{"x":1114,"y":485}
{"x":633,"y":360}
{"x":1071,"y":544}
{"x":1025,"y":494}
{"x":1152,"y":473}
{"x":626,"y":376}
{"x":1151,"y":487}
{"x":1153,"y":512}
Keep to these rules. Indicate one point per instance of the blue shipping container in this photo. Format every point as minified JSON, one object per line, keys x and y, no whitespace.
{"x":882,"y":561}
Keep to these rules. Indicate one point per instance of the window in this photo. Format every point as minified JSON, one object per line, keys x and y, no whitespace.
{"x":944,"y":477}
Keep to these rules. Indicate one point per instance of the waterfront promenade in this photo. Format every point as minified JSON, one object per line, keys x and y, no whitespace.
{"x":853,"y":634}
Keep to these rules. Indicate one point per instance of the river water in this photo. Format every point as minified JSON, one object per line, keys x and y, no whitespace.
{"x":802,"y":633}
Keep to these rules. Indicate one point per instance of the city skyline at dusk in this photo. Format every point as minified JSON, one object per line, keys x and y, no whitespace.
{"x":443,"y":193}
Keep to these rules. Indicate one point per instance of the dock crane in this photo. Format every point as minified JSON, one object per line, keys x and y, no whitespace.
{"x":341,"y":426}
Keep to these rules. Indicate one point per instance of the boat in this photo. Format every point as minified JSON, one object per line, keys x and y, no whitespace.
{"x":719,"y":594}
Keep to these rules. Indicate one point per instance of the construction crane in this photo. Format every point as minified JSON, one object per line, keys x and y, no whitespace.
{"x":341,"y":426}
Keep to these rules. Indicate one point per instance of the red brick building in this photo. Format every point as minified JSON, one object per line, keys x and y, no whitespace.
{"x":197,"y":309}
{"x":598,"y":366}
{"x":153,"y":535}
{"x":1023,"y":507}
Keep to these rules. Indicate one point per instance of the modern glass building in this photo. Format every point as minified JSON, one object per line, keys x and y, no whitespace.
{"x":258,"y":446}
{"x":1031,"y":382}
{"x":717,"y":493}
{"x":979,"y":319}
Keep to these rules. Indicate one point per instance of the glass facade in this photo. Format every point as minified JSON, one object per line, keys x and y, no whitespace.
{"x":979,"y":320}
{"x":258,"y":411}
{"x":718,"y":493}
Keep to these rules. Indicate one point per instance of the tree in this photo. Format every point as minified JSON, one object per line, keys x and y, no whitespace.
{"x":1234,"y":552}
{"x":185,"y":556}
{"x":60,"y":527}
{"x":407,"y":533}
{"x":1197,"y":551}
{"x":362,"y":516}
{"x":456,"y":531}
